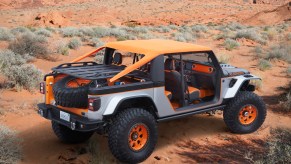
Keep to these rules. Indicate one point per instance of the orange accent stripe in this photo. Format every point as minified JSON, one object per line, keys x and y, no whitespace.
{"x":202,"y":68}
{"x":87,"y":55}
{"x":49,"y":89}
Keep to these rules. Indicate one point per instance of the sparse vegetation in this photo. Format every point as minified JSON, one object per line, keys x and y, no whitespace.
{"x":223,"y":58}
{"x":69,"y":31}
{"x":25,"y":76}
{"x":43,"y":32}
{"x":97,"y":156}
{"x":96,"y":42}
{"x":74,"y":43}
{"x":264,"y":65}
{"x":230,"y":44}
{"x":278,"y":147}
{"x":18,"y":73}
{"x":62,"y":48}
{"x":250,"y":34}
{"x":20,"y":30}
{"x":5,"y":34}
{"x":258,"y":50}
{"x":29,"y":43}
{"x":183,"y":36}
{"x":285,"y":100}
{"x":9,"y":146}
{"x":281,"y":52}
{"x":9,"y":58}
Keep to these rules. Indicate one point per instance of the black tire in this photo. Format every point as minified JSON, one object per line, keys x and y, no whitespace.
{"x":232,"y":111}
{"x":67,"y":135}
{"x":119,"y":132}
{"x":70,"y":97}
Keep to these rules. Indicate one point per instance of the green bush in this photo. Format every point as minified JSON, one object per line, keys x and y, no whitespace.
{"x":25,"y":76}
{"x":264,"y":65}
{"x":9,"y":146}
{"x":74,"y":43}
{"x":5,"y":34}
{"x":29,"y":43}
{"x":230,"y":44}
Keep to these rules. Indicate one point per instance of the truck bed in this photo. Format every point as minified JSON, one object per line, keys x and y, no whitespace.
{"x":90,"y":70}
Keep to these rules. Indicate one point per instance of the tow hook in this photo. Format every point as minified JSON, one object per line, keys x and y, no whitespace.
{"x":40,"y":112}
{"x":73,"y":126}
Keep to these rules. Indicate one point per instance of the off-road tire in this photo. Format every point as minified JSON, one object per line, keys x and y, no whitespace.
{"x":70,"y":97}
{"x":231,"y":112}
{"x":67,"y":135}
{"x":119,"y":132}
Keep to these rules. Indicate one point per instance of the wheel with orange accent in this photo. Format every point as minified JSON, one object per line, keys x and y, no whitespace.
{"x":71,"y":92}
{"x":245,"y":113}
{"x":132,"y":136}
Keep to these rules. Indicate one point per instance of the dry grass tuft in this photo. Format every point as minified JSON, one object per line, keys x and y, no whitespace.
{"x":9,"y":146}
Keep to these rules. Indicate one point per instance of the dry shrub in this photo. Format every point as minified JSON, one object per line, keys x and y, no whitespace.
{"x":25,"y":76}
{"x":264,"y":65}
{"x":278,"y":147}
{"x":74,"y":43}
{"x":29,"y":43}
{"x":9,"y":146}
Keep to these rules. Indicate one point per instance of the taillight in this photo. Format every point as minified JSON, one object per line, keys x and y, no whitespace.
{"x":42,"y":88}
{"x":94,"y":103}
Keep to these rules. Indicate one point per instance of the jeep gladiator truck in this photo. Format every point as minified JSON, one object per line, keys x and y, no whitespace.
{"x":140,"y":83}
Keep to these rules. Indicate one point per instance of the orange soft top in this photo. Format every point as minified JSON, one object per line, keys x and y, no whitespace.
{"x":155,"y":47}
{"x":151,"y":49}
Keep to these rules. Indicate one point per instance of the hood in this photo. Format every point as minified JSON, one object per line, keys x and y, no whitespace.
{"x":229,"y":70}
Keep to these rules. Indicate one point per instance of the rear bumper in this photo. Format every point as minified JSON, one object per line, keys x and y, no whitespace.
{"x":76,"y":122}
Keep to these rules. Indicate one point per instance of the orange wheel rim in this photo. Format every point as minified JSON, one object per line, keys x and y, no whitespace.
{"x":138,"y":137}
{"x":75,"y":83}
{"x":248,"y":114}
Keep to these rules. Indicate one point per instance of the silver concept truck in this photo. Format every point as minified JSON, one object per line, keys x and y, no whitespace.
{"x":140,"y":83}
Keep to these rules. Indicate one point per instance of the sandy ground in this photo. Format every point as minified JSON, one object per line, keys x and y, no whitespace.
{"x":39,"y":143}
{"x":149,"y":12}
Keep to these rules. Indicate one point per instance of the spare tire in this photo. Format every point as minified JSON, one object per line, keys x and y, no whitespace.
{"x":71,"y":92}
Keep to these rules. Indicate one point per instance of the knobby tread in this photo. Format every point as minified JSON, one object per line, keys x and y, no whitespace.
{"x":67,"y":135}
{"x":231,"y":112}
{"x":70,"y":97}
{"x":120,"y":128}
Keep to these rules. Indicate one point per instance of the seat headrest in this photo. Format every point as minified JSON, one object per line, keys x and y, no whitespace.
{"x":169,"y":64}
{"x":117,"y":59}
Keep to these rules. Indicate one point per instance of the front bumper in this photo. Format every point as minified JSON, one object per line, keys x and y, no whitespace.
{"x":76,"y":122}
